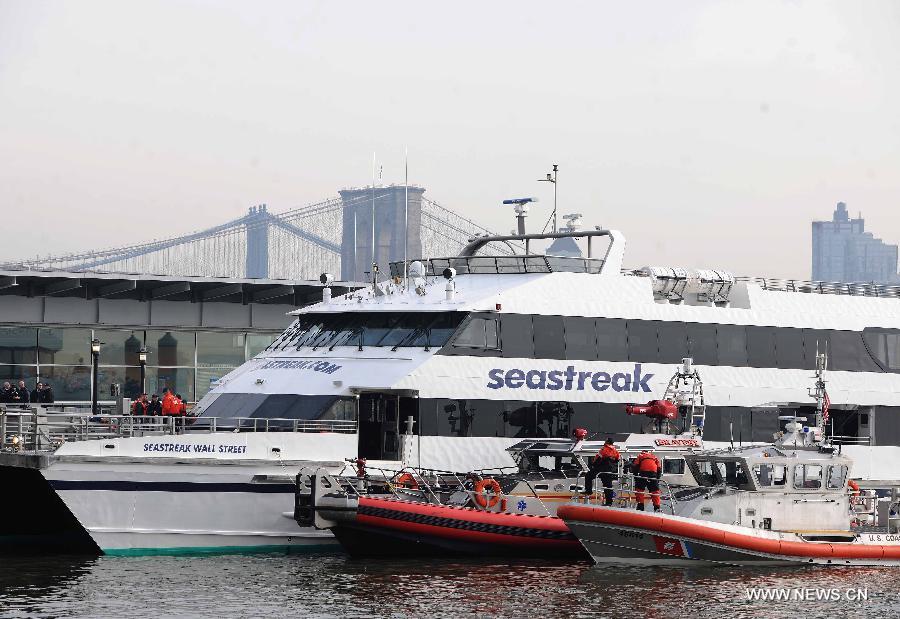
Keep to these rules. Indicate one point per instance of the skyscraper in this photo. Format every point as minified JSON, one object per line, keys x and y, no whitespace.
{"x":842,"y":251}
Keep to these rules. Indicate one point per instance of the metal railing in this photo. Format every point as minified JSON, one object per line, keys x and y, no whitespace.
{"x":856,"y":289}
{"x":40,"y":429}
{"x":505,"y":265}
{"x":625,"y":493}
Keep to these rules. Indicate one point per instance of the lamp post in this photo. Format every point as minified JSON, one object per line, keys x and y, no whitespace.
{"x":142,"y":358}
{"x":95,"y":359}
{"x":551,"y":178}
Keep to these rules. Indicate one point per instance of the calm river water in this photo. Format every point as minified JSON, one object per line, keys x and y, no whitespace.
{"x":331,"y":585}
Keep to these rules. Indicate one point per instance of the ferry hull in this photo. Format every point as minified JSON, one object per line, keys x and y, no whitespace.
{"x":614,"y":535}
{"x":183,"y":511}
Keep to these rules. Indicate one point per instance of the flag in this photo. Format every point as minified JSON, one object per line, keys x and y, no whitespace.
{"x":826,"y":404}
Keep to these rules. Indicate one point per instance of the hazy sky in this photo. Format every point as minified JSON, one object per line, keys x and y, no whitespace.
{"x":710,"y":133}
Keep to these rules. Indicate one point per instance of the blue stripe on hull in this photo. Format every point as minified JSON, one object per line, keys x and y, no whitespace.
{"x":169,"y":486}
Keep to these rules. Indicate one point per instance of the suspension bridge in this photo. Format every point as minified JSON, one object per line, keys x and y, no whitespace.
{"x":342,"y":235}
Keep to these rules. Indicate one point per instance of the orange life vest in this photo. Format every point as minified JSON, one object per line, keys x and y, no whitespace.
{"x":647,"y":463}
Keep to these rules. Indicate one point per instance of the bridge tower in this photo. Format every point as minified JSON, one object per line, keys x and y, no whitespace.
{"x":393,"y":232}
{"x":257,"y":223}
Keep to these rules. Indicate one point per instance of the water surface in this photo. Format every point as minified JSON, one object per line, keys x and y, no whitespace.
{"x":332,"y":585}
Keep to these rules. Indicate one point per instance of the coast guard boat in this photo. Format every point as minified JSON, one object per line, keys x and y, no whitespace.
{"x":509,"y":340}
{"x":788,"y":503}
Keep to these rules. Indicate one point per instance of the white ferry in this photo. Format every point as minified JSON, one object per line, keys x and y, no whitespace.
{"x":453,"y":360}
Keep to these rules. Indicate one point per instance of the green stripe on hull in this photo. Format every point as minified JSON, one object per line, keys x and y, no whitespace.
{"x":218,"y":550}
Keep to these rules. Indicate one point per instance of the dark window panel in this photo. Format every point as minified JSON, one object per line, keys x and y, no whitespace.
{"x":519,"y":419}
{"x":581,"y":338}
{"x":884,"y":345}
{"x":642,"y":341}
{"x":517,"y":335}
{"x":789,"y":348}
{"x":554,"y":419}
{"x":673,"y":341}
{"x":549,"y":338}
{"x":761,"y":347}
{"x":612,"y":339}
{"x":702,"y":343}
{"x":731,"y":345}
{"x":848,"y":352}
{"x":72,"y":346}
{"x":18,"y":345}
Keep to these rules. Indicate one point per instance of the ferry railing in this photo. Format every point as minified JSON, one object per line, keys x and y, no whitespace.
{"x":38,"y":429}
{"x":850,"y":440}
{"x":857,"y":289}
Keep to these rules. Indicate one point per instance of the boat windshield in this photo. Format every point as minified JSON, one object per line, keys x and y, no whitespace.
{"x":394,"y":329}
{"x":714,"y":472}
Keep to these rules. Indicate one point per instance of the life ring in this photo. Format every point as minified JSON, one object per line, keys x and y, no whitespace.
{"x":484,"y":500}
{"x":406,"y":480}
{"x":854,"y":492}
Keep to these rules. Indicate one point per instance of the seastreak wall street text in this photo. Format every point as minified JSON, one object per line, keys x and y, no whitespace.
{"x":569,"y":379}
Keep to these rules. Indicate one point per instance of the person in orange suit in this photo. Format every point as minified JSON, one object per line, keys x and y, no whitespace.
{"x":647,"y":471}
{"x":169,"y":403}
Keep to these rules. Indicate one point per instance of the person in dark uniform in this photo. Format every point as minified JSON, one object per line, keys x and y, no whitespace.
{"x":6,"y":393}
{"x":36,"y":392}
{"x":22,"y":393}
{"x":154,"y":409}
{"x":647,"y":471}
{"x":605,"y":465}
{"x":47,"y":394}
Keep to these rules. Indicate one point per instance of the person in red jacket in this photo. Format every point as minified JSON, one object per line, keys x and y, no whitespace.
{"x":169,"y":403}
{"x":647,"y":471}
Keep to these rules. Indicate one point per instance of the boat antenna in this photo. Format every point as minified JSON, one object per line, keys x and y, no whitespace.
{"x":551,"y":178}
{"x":406,"y":218}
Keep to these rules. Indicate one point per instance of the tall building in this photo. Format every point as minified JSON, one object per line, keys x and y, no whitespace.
{"x":397,"y":228}
{"x":842,"y":251}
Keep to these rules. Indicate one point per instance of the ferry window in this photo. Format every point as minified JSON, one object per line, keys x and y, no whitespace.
{"x":768,"y":475}
{"x":642,"y":341}
{"x":378,"y":325}
{"x":731,"y":345}
{"x":789,"y":348}
{"x":848,"y":352}
{"x":549,"y":339}
{"x":885,"y":346}
{"x":581,"y":338}
{"x":702,"y":343}
{"x":478,"y":332}
{"x":518,"y":336}
{"x":816,"y":340}
{"x":673,"y":466}
{"x":807,"y":476}
{"x":612,"y":339}
{"x":673,"y":342}
{"x":413,"y":329}
{"x":837,"y":475}
{"x":442,"y":326}
{"x":761,"y":347}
